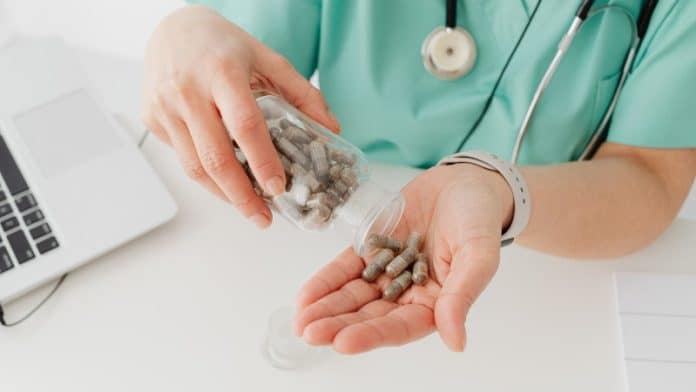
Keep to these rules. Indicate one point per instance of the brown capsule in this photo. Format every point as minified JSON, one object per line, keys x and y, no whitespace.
{"x":319,"y":160}
{"x":414,"y":240}
{"x":341,"y":156}
{"x":340,"y":187}
{"x":401,"y":262}
{"x":275,"y":133}
{"x":292,"y":152}
{"x":398,"y":286}
{"x":297,"y":135}
{"x":335,"y":172}
{"x":377,"y":265}
{"x":284,"y":123}
{"x":317,"y":217}
{"x":322,"y":198}
{"x":383,"y":241}
{"x":420,"y":270}
{"x":348,"y":176}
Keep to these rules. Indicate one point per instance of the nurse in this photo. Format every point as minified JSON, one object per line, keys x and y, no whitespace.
{"x":203,"y":63}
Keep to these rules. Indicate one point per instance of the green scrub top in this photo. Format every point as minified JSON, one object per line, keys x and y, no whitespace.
{"x":367,"y":53}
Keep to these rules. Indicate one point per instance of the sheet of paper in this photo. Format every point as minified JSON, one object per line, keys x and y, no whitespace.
{"x":657,"y":313}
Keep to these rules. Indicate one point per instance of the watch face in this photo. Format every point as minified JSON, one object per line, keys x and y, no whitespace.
{"x":449,"y":53}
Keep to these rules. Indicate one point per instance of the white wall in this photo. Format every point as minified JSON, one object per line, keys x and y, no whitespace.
{"x":115,"y":26}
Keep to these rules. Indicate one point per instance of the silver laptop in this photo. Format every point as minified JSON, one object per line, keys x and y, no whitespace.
{"x":73,"y":185}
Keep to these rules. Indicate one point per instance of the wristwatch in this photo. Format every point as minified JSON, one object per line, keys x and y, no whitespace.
{"x":520,"y":193}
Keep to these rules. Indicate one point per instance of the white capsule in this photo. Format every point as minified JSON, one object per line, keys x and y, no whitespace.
{"x":300,"y":192}
{"x":287,"y":207}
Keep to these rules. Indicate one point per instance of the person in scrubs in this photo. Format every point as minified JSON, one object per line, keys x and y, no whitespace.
{"x":204,"y":61}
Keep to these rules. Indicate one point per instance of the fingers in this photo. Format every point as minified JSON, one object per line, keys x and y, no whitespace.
{"x":180,"y":140}
{"x":219,"y":162}
{"x":245,"y":122}
{"x":297,"y":90}
{"x":401,"y":325}
{"x":344,"y":268}
{"x":352,"y":296}
{"x":472,"y":269}
{"x":323,"y":331}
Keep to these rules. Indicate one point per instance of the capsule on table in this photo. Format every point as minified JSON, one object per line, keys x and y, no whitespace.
{"x":397,"y":286}
{"x":401,"y":262}
{"x":320,"y":161}
{"x":377,"y":265}
{"x":414,"y":240}
{"x":383,"y":241}
{"x":420,"y":270}
{"x":292,"y":152}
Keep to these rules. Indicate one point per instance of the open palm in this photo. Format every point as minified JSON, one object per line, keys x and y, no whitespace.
{"x":460,"y":211}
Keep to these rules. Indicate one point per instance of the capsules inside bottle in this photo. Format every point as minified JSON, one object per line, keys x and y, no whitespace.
{"x":328,"y":184}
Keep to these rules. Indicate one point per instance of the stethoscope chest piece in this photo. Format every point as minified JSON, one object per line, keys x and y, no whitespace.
{"x":449,"y":53}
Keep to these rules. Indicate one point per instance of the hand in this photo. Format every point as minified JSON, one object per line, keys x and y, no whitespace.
{"x":200,"y":73}
{"x":460,"y":209}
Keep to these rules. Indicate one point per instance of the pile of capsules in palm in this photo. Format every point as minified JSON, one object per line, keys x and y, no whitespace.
{"x":403,"y":262}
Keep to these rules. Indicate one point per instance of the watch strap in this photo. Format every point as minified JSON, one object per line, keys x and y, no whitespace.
{"x":520,"y":192}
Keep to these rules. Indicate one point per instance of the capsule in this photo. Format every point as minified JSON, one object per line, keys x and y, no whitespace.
{"x":340,"y":187}
{"x":300,"y":192}
{"x":420,"y":270}
{"x":322,"y":198}
{"x":341,"y":156}
{"x":319,"y":160}
{"x":317,"y":217}
{"x":383,"y":241}
{"x":284,"y":123}
{"x":287,"y":206}
{"x":377,"y":265}
{"x":311,"y":181}
{"x":296,"y":135}
{"x":275,"y":133}
{"x":292,"y":152}
{"x":287,"y":165}
{"x":414,"y":240}
{"x":348,"y":176}
{"x":401,"y":262}
{"x":335,"y":171}
{"x":398,"y":286}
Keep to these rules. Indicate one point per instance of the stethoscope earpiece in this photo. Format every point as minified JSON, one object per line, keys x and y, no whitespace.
{"x":449,"y":53}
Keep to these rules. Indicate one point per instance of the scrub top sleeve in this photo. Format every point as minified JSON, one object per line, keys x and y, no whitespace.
{"x":290,"y":27}
{"x":657,"y":107}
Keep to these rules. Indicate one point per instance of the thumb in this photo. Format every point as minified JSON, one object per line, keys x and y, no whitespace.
{"x":471,"y":269}
{"x":297,"y":90}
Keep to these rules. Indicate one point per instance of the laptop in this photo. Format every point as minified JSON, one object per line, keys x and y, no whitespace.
{"x":73,"y":184}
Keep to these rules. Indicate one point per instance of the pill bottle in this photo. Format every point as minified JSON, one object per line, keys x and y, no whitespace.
{"x":328,"y":181}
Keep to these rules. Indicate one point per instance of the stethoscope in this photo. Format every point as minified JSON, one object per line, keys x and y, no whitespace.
{"x":449,"y":52}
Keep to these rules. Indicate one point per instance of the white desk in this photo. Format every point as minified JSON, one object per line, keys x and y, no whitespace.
{"x":172,"y":311}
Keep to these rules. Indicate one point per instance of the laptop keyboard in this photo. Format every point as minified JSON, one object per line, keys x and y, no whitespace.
{"x":24,"y":230}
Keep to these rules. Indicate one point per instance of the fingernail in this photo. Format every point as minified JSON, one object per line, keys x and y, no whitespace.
{"x":275,"y":186}
{"x":261,"y":220}
{"x":335,"y":120}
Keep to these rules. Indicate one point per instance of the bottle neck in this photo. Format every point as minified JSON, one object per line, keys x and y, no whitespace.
{"x":371,"y":209}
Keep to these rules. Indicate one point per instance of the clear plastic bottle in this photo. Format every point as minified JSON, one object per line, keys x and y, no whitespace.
{"x":328,"y":180}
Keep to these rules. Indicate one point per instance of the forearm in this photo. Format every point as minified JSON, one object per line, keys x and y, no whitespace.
{"x":610,"y":206}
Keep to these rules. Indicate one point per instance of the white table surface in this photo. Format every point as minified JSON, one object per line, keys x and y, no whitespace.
{"x":185,"y":307}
